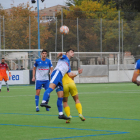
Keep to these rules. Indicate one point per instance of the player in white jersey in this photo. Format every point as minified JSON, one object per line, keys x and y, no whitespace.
{"x":62,"y":67}
{"x":41,"y":70}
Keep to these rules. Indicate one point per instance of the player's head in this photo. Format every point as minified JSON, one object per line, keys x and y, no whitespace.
{"x":2,"y":60}
{"x":70,"y":53}
{"x":44,"y":54}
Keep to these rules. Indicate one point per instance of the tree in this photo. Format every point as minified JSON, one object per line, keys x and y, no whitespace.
{"x":17,"y":29}
{"x":73,"y":2}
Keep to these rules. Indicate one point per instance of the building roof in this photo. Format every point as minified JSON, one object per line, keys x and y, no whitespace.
{"x":51,"y":11}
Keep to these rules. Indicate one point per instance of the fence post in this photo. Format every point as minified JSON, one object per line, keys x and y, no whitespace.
{"x":4,"y":35}
{"x":62,"y":25}
{"x":56,"y":40}
{"x":29,"y":33}
{"x":101,"y":38}
{"x":119,"y":29}
{"x":77,"y":38}
{"x":122,"y":41}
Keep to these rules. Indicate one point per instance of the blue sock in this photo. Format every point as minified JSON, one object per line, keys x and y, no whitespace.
{"x":48,"y":100}
{"x":36,"y":100}
{"x":47,"y":94}
{"x":59,"y":104}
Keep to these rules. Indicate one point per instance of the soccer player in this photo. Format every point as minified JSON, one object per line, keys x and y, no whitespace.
{"x":70,"y":87}
{"x":136,"y":73}
{"x":3,"y":74}
{"x":62,"y":67}
{"x":41,"y":75}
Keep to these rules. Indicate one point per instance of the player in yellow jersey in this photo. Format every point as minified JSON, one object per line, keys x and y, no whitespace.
{"x":70,"y":87}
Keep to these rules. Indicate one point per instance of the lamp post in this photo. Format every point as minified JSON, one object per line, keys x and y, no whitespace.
{"x":34,"y":1}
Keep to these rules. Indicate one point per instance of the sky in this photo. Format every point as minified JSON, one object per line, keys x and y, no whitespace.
{"x":47,"y":3}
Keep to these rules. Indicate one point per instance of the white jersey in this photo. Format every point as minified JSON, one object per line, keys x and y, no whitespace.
{"x":42,"y":69}
{"x":63,"y":65}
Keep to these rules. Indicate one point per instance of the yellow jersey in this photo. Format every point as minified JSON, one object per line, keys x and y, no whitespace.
{"x":66,"y":79}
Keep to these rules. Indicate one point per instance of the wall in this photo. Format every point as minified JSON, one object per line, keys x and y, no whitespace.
{"x":19,"y":77}
{"x":114,"y":76}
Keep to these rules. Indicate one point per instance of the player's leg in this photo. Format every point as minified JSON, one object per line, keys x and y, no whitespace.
{"x":67,"y":109}
{"x":47,"y":95}
{"x":59,"y":103}
{"x":5,"y":77}
{"x":46,"y":86}
{"x":37,"y":99}
{"x":38,"y":85}
{"x":65,"y":99}
{"x":56,"y":76}
{"x":7,"y":86}
{"x":0,"y":83}
{"x":65,"y":102}
{"x":74,"y":93}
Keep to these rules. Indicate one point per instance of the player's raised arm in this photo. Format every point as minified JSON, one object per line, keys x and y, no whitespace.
{"x":59,"y":55}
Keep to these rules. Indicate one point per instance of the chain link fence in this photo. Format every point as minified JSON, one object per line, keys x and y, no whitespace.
{"x":86,"y":35}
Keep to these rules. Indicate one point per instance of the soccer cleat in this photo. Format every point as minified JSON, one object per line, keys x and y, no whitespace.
{"x":45,"y":105}
{"x":68,"y":121}
{"x":7,"y":89}
{"x":82,"y":117}
{"x":37,"y":110}
{"x":47,"y":109}
{"x":63,"y":117}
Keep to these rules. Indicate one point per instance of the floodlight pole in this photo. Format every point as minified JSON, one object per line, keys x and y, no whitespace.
{"x":62,"y":25}
{"x":38,"y":28}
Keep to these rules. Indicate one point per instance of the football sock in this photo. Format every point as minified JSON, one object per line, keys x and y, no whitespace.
{"x":36,"y":100}
{"x":60,"y":105}
{"x":79,"y":108}
{"x":48,"y":100}
{"x":7,"y":84}
{"x":67,"y":110}
{"x":0,"y":84}
{"x":47,"y":95}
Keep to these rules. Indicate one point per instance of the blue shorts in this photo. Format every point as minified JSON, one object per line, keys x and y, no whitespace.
{"x":56,"y":78}
{"x":40,"y":84}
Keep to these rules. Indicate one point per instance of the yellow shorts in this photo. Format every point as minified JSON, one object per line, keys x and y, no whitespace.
{"x":70,"y":88}
{"x":4,"y":77}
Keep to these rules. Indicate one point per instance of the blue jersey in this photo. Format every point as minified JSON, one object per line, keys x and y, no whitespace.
{"x":137,"y":66}
{"x":63,"y":65}
{"x":42,"y":69}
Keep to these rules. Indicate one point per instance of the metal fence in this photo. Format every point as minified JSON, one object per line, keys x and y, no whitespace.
{"x":86,"y":35}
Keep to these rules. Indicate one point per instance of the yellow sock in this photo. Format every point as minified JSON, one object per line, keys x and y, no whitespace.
{"x":79,"y":108}
{"x":67,"y":110}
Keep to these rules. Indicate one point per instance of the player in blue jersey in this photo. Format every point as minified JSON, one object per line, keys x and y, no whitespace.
{"x":62,"y":67}
{"x":41,"y":73}
{"x":136,"y":73}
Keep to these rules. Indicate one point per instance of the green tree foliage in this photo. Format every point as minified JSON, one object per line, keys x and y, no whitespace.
{"x":17,"y":29}
{"x":89,"y":13}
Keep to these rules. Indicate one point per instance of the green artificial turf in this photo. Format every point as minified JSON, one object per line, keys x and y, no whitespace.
{"x":112,"y":112}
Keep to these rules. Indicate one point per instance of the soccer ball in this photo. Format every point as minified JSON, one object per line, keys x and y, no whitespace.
{"x":64,"y":29}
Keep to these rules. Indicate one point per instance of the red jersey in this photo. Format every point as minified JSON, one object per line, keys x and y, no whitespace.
{"x":3,"y":68}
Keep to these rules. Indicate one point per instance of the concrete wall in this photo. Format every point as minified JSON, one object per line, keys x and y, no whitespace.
{"x":114,"y":76}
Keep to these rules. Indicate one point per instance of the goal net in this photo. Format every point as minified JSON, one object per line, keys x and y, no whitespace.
{"x":98,"y":67}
